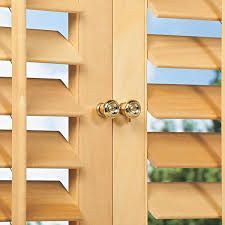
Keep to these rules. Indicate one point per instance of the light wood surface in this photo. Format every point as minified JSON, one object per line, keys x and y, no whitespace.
{"x":46,"y":201}
{"x":184,"y":52}
{"x":44,"y":150}
{"x":19,"y":111}
{"x":130,"y":139}
{"x":187,"y":9}
{"x":95,"y":133}
{"x":42,"y":46}
{"x":184,"y":101}
{"x":223,"y":113}
{"x":51,"y":5}
{"x":184,"y":200}
{"x":45,"y":97}
{"x":73,"y":20}
{"x":184,"y":150}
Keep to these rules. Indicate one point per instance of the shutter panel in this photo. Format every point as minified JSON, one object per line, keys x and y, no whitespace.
{"x":185,"y":150}
{"x":32,"y":200}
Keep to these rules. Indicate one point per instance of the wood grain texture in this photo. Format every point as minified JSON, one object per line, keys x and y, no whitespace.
{"x":223,"y":113}
{"x":184,"y":52}
{"x":45,"y":97}
{"x":184,"y":101}
{"x":184,"y":200}
{"x":42,"y":46}
{"x":130,"y":139}
{"x":50,"y":5}
{"x":19,"y":111}
{"x":191,"y":9}
{"x":95,"y":133}
{"x":44,"y":150}
{"x":73,"y":20}
{"x":46,"y":201}
{"x":184,"y":150}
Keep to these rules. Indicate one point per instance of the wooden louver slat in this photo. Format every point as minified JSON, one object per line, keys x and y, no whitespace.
{"x":45,"y":97}
{"x":191,"y":9}
{"x":70,"y":6}
{"x":184,"y":52}
{"x":184,"y":200}
{"x":184,"y":101}
{"x":170,"y":150}
{"x":44,"y":150}
{"x":42,"y":46}
{"x":46,"y":201}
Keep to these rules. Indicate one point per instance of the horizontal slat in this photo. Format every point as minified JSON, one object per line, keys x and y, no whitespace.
{"x":184,"y":52}
{"x":184,"y":150}
{"x":45,"y":98}
{"x":42,"y":46}
{"x":184,"y":101}
{"x":46,"y":201}
{"x":70,"y":6}
{"x":187,"y":9}
{"x":44,"y":150}
{"x":184,"y":200}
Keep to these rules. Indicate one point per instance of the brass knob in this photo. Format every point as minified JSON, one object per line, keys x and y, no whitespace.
{"x":130,"y":109}
{"x":109,"y":109}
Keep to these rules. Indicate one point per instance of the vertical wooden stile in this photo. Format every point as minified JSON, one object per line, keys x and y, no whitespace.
{"x":18,"y":112}
{"x":129,"y":139}
{"x":223,"y":112}
{"x":95,"y":133}
{"x":73,"y":122}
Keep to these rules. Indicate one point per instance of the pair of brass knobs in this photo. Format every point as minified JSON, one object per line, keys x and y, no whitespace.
{"x":112,"y":109}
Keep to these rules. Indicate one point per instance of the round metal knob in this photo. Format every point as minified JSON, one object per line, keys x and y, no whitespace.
{"x":109,"y":109}
{"x":131,"y":109}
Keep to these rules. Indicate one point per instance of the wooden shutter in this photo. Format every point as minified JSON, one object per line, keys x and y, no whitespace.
{"x":185,"y":150}
{"x":23,"y":200}
{"x":37,"y":200}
